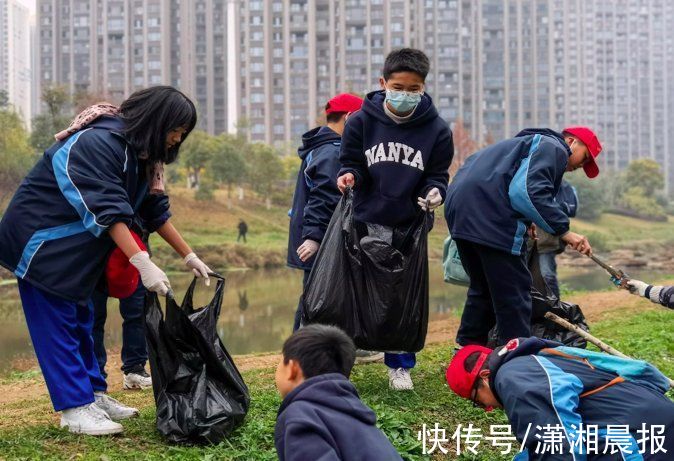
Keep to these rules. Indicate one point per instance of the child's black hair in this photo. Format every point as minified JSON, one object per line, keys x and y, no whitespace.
{"x":406,"y":60}
{"x":334,"y":117}
{"x":320,"y":349}
{"x":149,"y":116}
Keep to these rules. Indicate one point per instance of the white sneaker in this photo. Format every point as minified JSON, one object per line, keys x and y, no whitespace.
{"x":363,"y":356}
{"x":89,"y":420}
{"x":114,"y":409}
{"x":140,"y":380}
{"x":399,"y":379}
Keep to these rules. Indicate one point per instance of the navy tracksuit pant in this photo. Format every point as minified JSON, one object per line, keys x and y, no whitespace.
{"x":134,"y":347}
{"x":61,"y":334}
{"x":499,"y":294}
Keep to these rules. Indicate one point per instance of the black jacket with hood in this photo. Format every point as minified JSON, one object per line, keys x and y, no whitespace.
{"x":393,"y":163}
{"x":316,"y":194}
{"x":324,"y":419}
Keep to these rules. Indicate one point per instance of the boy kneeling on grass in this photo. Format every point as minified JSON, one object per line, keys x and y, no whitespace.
{"x":597,"y":406}
{"x":321,"y":416}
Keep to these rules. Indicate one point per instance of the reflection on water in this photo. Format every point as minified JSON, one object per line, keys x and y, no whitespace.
{"x":258,"y":308}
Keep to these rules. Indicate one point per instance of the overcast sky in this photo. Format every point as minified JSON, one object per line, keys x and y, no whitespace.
{"x":29,"y":3}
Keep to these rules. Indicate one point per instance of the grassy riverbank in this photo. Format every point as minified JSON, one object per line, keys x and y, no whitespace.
{"x":28,"y":429}
{"x":211,"y":228}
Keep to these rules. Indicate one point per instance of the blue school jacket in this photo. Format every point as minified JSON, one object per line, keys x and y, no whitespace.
{"x":54,"y":232}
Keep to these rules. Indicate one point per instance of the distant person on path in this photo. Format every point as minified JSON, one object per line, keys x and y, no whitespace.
{"x":549,"y":246}
{"x":66,"y":217}
{"x":321,"y":416}
{"x":395,"y":155}
{"x":663,"y":295}
{"x":584,"y":405}
{"x":316,"y":194}
{"x":495,"y":196}
{"x":243,"y":230}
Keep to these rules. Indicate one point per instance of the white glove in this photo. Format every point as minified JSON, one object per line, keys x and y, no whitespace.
{"x":153,"y":278}
{"x":433,"y":198}
{"x":307,"y":249}
{"x":200,"y":269}
{"x":637,"y":286}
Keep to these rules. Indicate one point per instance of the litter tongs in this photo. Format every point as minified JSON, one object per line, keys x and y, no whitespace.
{"x":618,"y":276}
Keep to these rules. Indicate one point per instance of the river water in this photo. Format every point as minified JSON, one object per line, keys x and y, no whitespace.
{"x":258,"y":308}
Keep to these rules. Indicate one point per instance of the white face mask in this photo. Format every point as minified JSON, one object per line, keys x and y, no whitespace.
{"x":403,"y":101}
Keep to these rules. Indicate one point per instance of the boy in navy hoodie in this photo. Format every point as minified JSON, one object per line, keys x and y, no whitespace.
{"x":396,"y":154}
{"x":321,"y":416}
{"x":316,"y":194}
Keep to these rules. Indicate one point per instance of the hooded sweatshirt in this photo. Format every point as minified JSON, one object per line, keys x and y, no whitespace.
{"x":316,"y":194}
{"x":539,"y":388}
{"x":324,"y":419}
{"x":500,"y":190}
{"x":394,"y":163}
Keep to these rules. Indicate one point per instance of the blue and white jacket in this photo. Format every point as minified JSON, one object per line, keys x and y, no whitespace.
{"x":544,"y":384}
{"x":54,"y":231}
{"x":316,"y":193}
{"x":503,"y":188}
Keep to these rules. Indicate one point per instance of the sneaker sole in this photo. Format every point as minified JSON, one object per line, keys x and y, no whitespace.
{"x":96,"y":432}
{"x":401,"y":388}
{"x":122,"y":418}
{"x":370,"y":359}
{"x":128,"y":387}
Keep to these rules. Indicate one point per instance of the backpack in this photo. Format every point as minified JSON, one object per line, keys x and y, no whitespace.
{"x":451,"y":264}
{"x":637,"y":371}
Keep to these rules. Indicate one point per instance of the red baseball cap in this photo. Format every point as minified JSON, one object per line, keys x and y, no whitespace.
{"x":344,"y":102}
{"x":121,"y":276}
{"x":590,"y":139}
{"x":460,"y":380}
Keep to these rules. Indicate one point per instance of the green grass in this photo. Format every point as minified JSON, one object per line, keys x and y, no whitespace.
{"x":644,"y":334}
{"x":620,"y":231}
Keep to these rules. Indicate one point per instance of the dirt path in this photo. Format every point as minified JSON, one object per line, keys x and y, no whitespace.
{"x":24,"y":401}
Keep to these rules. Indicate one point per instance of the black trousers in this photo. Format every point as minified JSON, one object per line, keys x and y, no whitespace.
{"x":499,"y":294}
{"x":298,"y":312}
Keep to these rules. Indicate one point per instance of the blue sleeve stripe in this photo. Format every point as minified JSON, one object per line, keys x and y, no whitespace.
{"x":69,"y":190}
{"x":307,"y":179}
{"x":519,"y":195}
{"x":564,"y":391}
{"x":522,"y":456}
{"x":518,"y":241}
{"x":39,"y":238}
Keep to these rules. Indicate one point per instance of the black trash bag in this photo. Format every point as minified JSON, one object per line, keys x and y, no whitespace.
{"x":543,"y":300}
{"x":199,"y":393}
{"x":375,"y":288}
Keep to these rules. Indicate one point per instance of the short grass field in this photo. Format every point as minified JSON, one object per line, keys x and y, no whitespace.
{"x":645,"y":334}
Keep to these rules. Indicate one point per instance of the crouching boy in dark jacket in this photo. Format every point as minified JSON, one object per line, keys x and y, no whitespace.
{"x":321,"y":416}
{"x":595,"y":406}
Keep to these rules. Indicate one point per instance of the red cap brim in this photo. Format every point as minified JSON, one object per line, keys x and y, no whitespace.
{"x":591,"y":168}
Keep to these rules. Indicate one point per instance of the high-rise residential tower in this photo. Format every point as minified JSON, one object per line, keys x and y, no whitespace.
{"x":496,"y":65}
{"x":16,"y":66}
